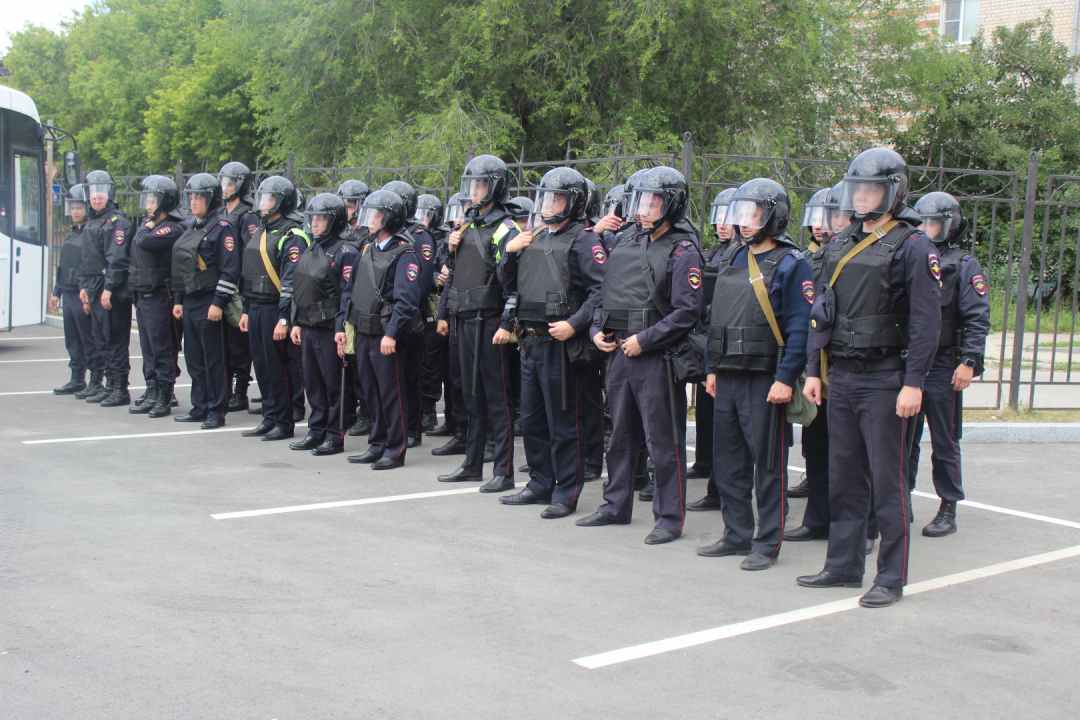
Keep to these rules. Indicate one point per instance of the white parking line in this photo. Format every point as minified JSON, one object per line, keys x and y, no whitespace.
{"x":143,"y":435}
{"x":681,"y":642}
{"x":50,"y":392}
{"x":7,"y":362}
{"x":42,"y":337}
{"x":1006,"y":511}
{"x":342,"y":503}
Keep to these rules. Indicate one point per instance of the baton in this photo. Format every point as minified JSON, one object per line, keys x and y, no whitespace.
{"x":774,"y":420}
{"x":341,"y":400}
{"x":564,"y":360}
{"x":909,"y":433}
{"x":108,"y":324}
{"x":477,"y":347}
{"x":958,"y":415}
{"x":226,"y":360}
{"x":669,"y":370}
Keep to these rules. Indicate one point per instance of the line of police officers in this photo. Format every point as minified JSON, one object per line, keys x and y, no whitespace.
{"x":880,"y":322}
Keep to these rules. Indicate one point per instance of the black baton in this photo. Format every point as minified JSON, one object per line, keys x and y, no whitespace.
{"x":564,"y":361}
{"x":909,"y":433}
{"x":341,"y":402}
{"x":669,"y":370}
{"x":476,"y":356}
{"x":774,"y":420}
{"x":225,"y":358}
{"x":958,"y":415}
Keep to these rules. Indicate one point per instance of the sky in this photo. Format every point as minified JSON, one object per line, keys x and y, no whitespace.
{"x":17,"y":13}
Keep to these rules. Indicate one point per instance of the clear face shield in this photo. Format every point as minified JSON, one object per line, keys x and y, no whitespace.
{"x":99,"y":194}
{"x":867,"y":197}
{"x":198,"y":203}
{"x":938,"y":226}
{"x":553,"y":205}
{"x":749,"y":216}
{"x":611,"y":207}
{"x":372,"y":219}
{"x":648,"y":206}
{"x":535,"y":222}
{"x":148,"y":203}
{"x":838,"y":220}
{"x":814,"y":217}
{"x":319,"y":222}
{"x":717,"y":214}
{"x":229,"y":187}
{"x":476,"y":189}
{"x":455,"y":213}
{"x":75,"y":209}
{"x":267,"y":203}
{"x":424,"y":216}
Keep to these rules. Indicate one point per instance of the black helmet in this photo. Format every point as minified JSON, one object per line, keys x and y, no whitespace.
{"x":561,"y":184}
{"x":333,"y":208}
{"x":382,"y":210}
{"x":520,"y":207}
{"x":235,"y":178}
{"x":762,"y":204}
{"x":491,"y":178}
{"x":876,"y":180}
{"x":206,"y":185}
{"x":276,"y":195}
{"x":666,"y":184}
{"x":429,"y":211}
{"x":406,"y":192}
{"x":592,"y":200}
{"x":76,"y":195}
{"x":720,"y":205}
{"x":815,"y":214}
{"x":838,"y":219}
{"x":943,"y":221}
{"x":355,"y":190}
{"x":455,"y":209}
{"x":613,"y":202}
{"x":164,"y":192}
{"x":628,"y":191}
{"x":99,"y":182}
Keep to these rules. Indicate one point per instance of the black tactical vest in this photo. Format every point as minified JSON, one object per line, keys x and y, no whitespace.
{"x":186,"y":275}
{"x":315,"y":307}
{"x":476,"y":286}
{"x":92,"y":261}
{"x":150,"y":269}
{"x":67,"y":272}
{"x":545,"y":290}
{"x":628,"y":303}
{"x":740,"y":337}
{"x":256,"y":284}
{"x":713,"y":256}
{"x":951,"y":325}
{"x":368,"y":311}
{"x":868,"y":326}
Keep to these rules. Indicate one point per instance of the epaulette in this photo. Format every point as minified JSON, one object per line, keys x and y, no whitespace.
{"x":223,"y":223}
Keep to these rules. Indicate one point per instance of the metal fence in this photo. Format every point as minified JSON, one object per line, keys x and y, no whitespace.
{"x":1032,"y":286}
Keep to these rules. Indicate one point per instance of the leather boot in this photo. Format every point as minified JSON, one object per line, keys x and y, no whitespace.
{"x":444,"y":430}
{"x":239,"y":399}
{"x":647,"y":492}
{"x":162,"y":406}
{"x":104,"y":392}
{"x":119,"y":394}
{"x":427,"y":416}
{"x":489,"y":447}
{"x":74,"y":385}
{"x":93,"y":387}
{"x":944,"y":523}
{"x":146,"y":403}
{"x":457,"y":445}
{"x":362,"y":426}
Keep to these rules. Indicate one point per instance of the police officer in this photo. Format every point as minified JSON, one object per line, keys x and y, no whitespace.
{"x":877,"y":314}
{"x":556,"y":273}
{"x":477,"y":299}
{"x":353,"y":193}
{"x":103,"y":275}
{"x":236,"y":181}
{"x":965,"y":321}
{"x":384,"y":306}
{"x":316,"y":280}
{"x":592,"y":204}
{"x":205,"y":272}
{"x":411,"y":347}
{"x":278,"y":242}
{"x":83,"y":353}
{"x":429,"y":215}
{"x":756,"y":351}
{"x":703,"y":457}
{"x":455,"y":419}
{"x":651,"y":300}
{"x":160,"y":334}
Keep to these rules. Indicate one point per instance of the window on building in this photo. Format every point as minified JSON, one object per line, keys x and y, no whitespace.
{"x":960,"y":19}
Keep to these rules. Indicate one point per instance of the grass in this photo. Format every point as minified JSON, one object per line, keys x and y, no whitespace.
{"x":1023,"y":415}
{"x":1046,"y":322}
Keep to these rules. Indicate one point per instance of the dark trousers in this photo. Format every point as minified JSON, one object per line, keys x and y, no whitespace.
{"x":592,"y":415}
{"x":638,"y":393}
{"x":411,"y":352}
{"x":269,"y":358}
{"x":862,"y":412}
{"x":112,"y":334}
{"x":815,"y":450}
{"x":296,"y":376}
{"x":555,"y":445}
{"x":491,"y":404}
{"x":383,"y":378}
{"x":322,"y":378}
{"x":939,"y":407}
{"x":239,"y":353}
{"x":703,"y":458}
{"x":158,"y":338}
{"x":741,"y":417}
{"x":83,"y":352}
{"x":205,"y":358}
{"x":431,"y":367}
{"x":455,"y":411}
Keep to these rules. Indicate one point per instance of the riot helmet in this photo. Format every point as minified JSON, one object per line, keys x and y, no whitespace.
{"x":331,"y":207}
{"x":760,"y":206}
{"x":382,"y":210}
{"x":455,"y":209}
{"x":276,"y":196}
{"x":235,"y":178}
{"x":407,"y":194}
{"x":660,"y":195}
{"x":561,"y":195}
{"x":486,"y":179}
{"x":613,"y":202}
{"x":77,"y":200}
{"x":876,"y":183}
{"x":159,"y":195}
{"x":206,"y":186}
{"x":592,"y":201}
{"x":942,"y":220}
{"x":429,"y":211}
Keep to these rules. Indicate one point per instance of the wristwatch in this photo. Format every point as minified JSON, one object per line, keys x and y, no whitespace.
{"x":283,"y":322}
{"x":970,"y":362}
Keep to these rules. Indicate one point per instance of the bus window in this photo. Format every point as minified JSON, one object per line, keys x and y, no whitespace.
{"x":28,"y":198}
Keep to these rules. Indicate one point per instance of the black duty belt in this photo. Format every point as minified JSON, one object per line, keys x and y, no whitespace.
{"x":857,"y":365}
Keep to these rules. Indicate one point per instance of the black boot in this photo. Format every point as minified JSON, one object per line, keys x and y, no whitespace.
{"x":239,"y":399}
{"x":172,"y":400}
{"x":457,"y":445}
{"x":104,"y":392}
{"x":119,"y":394}
{"x":94,"y":386}
{"x":146,"y":403}
{"x":74,"y":385}
{"x":489,"y":448}
{"x":944,"y":523}
{"x":427,"y":416}
{"x":647,"y":492}
{"x":444,"y":430}
{"x":362,"y":426}
{"x":162,"y":405}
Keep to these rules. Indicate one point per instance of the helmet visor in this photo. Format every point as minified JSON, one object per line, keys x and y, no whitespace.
{"x":814,"y":216}
{"x":748,"y":214}
{"x":648,"y":206}
{"x":612,"y":207}
{"x":455,"y":213}
{"x":938,"y":226}
{"x":149,"y":202}
{"x":373,"y":218}
{"x":70,"y":204}
{"x":229,"y":186}
{"x":478,"y":190}
{"x":838,"y":220}
{"x":424,"y":215}
{"x":100,"y":191}
{"x":866,"y":197}
{"x":535,"y":222}
{"x":267,"y":203}
{"x":554,"y":205}
{"x":717,"y":214}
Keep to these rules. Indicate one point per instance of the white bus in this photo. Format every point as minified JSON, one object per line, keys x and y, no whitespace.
{"x":24,"y":250}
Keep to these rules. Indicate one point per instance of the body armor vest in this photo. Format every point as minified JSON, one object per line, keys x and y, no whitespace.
{"x":708,"y":273}
{"x":150,"y":269}
{"x":740,"y":337}
{"x":368,"y":310}
{"x":314,"y":306}
{"x":92,"y":260}
{"x":545,"y":290}
{"x":868,"y":325}
{"x":256,"y":284}
{"x":475,"y":285}
{"x":67,"y":271}
{"x":189,"y":271}
{"x":629,"y":305}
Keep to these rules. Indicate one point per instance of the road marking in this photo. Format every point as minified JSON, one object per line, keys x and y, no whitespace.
{"x":342,"y":503}
{"x":50,"y":392}
{"x":143,"y":435}
{"x":681,"y":642}
{"x":6,"y":362}
{"x":43,"y":337}
{"x":1006,"y":511}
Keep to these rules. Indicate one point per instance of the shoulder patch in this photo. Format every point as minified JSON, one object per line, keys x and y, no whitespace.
{"x":223,"y":223}
{"x":230,"y":243}
{"x":119,"y":237}
{"x":163,"y":231}
{"x":686,"y":244}
{"x":294,"y":254}
{"x":693,"y":276}
{"x":252,"y":229}
{"x":979,"y":284}
{"x":426,"y":252}
{"x":346,"y":271}
{"x":413,"y":271}
{"x":598,"y":254}
{"x":808,"y":291}
{"x":935,"y":266}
